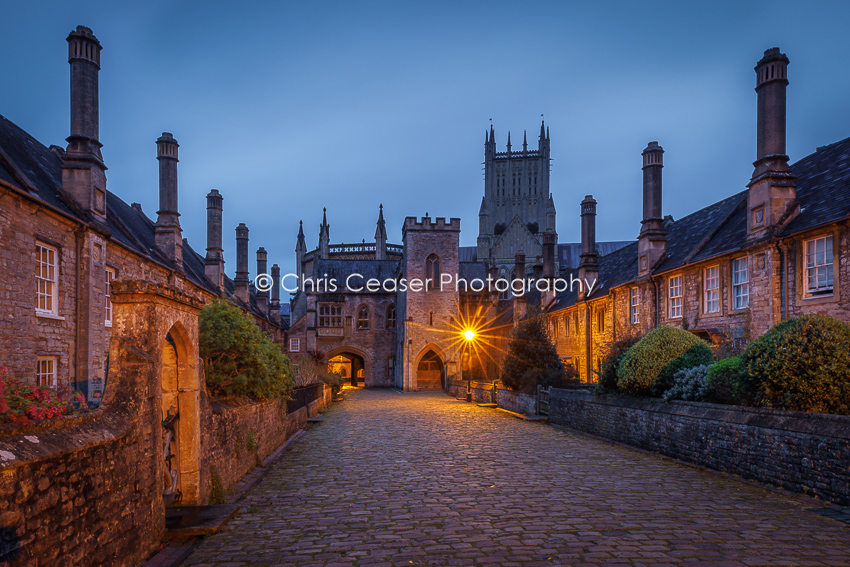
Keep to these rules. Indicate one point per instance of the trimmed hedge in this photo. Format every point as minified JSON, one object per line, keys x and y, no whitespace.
{"x":802,"y":364}
{"x":648,"y":367}
{"x":607,"y":382}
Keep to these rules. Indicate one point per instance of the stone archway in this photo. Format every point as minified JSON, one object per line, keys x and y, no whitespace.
{"x":154,"y":361}
{"x":430,"y":369}
{"x":357,"y":364}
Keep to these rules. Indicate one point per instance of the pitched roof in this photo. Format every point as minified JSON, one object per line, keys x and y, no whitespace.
{"x":823,"y":187}
{"x":569,"y":253}
{"x":29,"y":165}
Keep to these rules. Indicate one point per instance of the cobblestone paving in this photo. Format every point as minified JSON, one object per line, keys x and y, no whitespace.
{"x":392,"y":479}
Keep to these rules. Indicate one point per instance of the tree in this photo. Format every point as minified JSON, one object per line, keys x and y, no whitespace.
{"x":239,"y":359}
{"x":532,"y":358}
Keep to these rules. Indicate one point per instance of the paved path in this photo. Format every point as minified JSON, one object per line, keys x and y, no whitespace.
{"x":421,"y":479}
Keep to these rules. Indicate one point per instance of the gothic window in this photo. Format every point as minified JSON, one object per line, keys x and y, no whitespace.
{"x":391,"y":317}
{"x":363,"y":317}
{"x":432,"y":271}
{"x":330,"y":315}
{"x":600,"y":321}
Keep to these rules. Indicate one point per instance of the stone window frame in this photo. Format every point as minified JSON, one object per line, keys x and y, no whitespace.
{"x":44,"y":252}
{"x":600,"y":320}
{"x":47,"y":366}
{"x":390,"y":316}
{"x":826,"y":267}
{"x":109,"y":276}
{"x":732,"y":274}
{"x":706,"y":299}
{"x":634,"y":305}
{"x":670,"y":297}
{"x":294,"y":345}
{"x":798,"y":252}
{"x":329,"y":314}
{"x":432,"y":271}
{"x":363,"y":321}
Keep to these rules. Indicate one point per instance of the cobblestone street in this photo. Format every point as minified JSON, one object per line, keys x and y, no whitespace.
{"x":421,"y":479}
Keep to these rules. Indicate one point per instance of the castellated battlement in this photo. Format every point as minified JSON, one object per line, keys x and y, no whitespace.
{"x":427,"y":223}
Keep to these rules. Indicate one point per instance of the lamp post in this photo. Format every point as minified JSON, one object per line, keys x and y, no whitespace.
{"x":469,"y":336}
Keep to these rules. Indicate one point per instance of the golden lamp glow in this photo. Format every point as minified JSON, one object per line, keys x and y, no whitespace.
{"x":469,"y":334}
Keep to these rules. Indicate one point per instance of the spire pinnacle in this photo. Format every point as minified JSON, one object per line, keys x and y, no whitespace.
{"x":542,"y":130}
{"x":524,"y":142}
{"x":509,"y":141}
{"x":381,"y":230}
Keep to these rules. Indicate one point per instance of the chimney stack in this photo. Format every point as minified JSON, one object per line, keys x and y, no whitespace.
{"x":772,"y":188}
{"x":652,"y":242}
{"x":168,"y":233}
{"x":83,"y":171}
{"x":262,"y":268}
{"x":214,"y":260}
{"x":241,"y":281}
{"x":274,"y":308}
{"x":588,"y":268}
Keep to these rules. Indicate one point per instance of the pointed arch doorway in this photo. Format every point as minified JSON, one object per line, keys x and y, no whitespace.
{"x":430,"y":372}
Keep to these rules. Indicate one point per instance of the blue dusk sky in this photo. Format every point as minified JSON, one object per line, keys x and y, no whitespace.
{"x":288,"y":107}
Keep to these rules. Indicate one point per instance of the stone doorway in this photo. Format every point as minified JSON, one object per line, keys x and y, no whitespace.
{"x":351,"y":366}
{"x":429,"y":373}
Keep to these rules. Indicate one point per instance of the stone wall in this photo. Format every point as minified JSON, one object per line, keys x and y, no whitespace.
{"x":801,"y":452}
{"x":516,"y":401}
{"x":86,"y":489}
{"x":482,"y":392}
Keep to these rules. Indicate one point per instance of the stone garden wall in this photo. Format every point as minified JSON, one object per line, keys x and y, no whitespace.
{"x":86,"y":489}
{"x":802,"y":452}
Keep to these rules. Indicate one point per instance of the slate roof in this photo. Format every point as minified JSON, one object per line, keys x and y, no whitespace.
{"x":342,"y":268}
{"x":29,"y":165}
{"x":823,"y":187}
{"x":570,"y":252}
{"x":467,"y":254}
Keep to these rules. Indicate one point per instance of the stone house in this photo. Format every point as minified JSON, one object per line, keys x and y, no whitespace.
{"x":67,"y":240}
{"x":732,"y":270}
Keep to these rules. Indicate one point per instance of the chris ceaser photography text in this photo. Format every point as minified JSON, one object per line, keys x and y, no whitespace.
{"x":358,"y":283}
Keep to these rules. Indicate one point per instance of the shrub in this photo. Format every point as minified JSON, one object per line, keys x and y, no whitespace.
{"x":532,"y":358}
{"x":239,"y":359}
{"x":726,"y":383}
{"x":608,"y":372}
{"x":802,"y":364}
{"x":648,"y":367}
{"x":689,"y":384}
{"x":313,"y":368}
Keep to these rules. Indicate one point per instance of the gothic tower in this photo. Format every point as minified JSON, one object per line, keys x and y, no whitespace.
{"x":516,"y":185}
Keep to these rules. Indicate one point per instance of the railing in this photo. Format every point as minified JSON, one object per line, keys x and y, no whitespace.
{"x":303,"y":395}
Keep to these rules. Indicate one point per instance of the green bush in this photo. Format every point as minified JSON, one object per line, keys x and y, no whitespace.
{"x":532,"y":358}
{"x":802,"y":364}
{"x":648,"y":367}
{"x":726,"y":383}
{"x":607,"y":374}
{"x":689,"y":384}
{"x":239,"y":359}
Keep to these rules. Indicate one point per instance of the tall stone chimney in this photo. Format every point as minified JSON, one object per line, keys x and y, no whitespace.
{"x":274,"y":307}
{"x":588,"y":268}
{"x":652,"y":242}
{"x":772,"y":188}
{"x":241,"y":280}
{"x":214,"y":260}
{"x":83,"y":170}
{"x":167,"y":231}
{"x":550,"y":240}
{"x":262,"y":268}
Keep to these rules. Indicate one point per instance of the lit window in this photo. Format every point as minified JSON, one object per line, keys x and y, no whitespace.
{"x":45,"y":278}
{"x":363,"y":317}
{"x":740,"y":284}
{"x":294,"y":345}
{"x":45,"y":372}
{"x":675,"y":299}
{"x":554,"y":328}
{"x":600,"y":321}
{"x":110,"y":275}
{"x":330,"y":315}
{"x":711,"y":283}
{"x":819,"y":266}
{"x":634,"y":305}
{"x":391,"y":317}
{"x":432,"y":272}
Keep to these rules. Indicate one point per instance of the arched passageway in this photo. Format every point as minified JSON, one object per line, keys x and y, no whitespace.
{"x":430,"y":373}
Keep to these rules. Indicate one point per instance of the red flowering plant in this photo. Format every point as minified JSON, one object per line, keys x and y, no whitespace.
{"x":22,"y":402}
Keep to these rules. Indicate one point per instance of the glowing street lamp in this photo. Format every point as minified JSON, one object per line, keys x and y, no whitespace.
{"x":469,"y":336}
